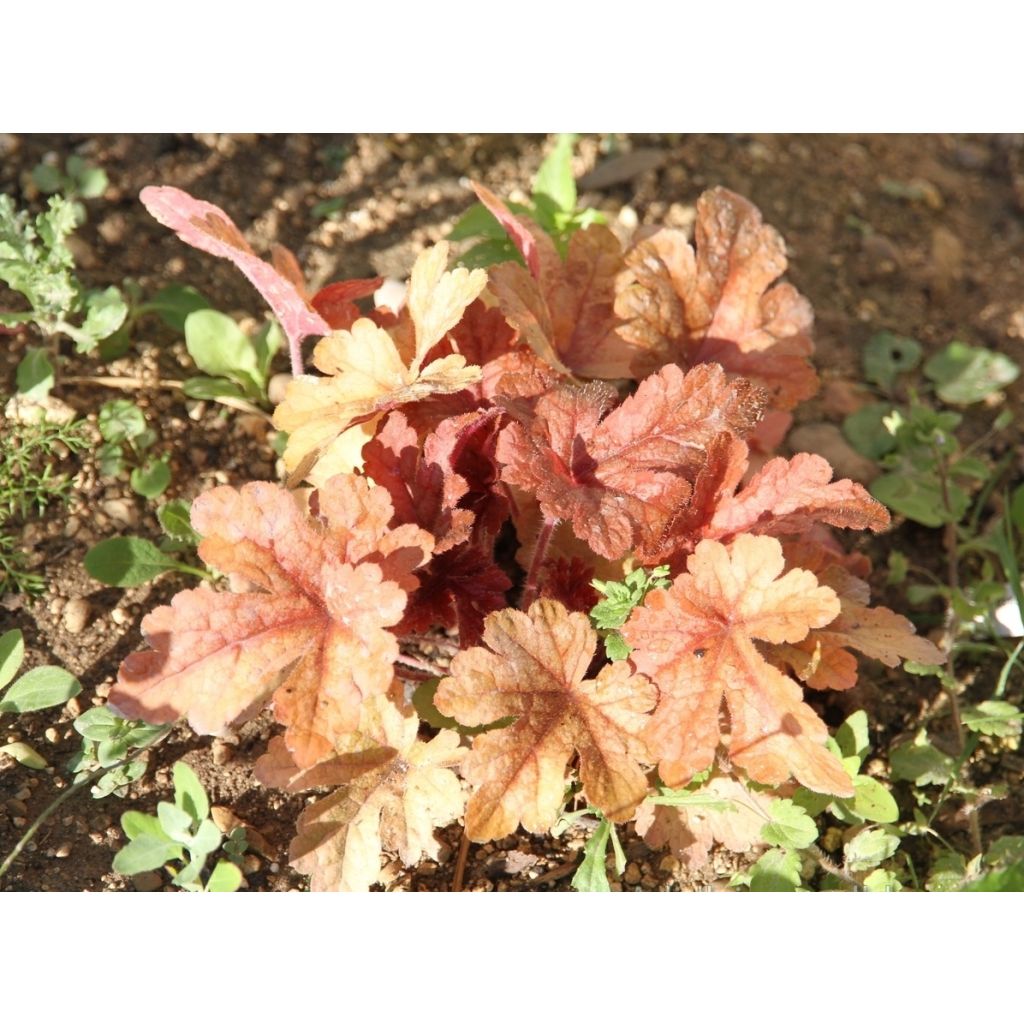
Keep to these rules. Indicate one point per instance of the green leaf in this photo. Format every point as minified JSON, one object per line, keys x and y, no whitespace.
{"x":147,"y":853}
{"x":127,"y":561}
{"x":919,"y":496}
{"x":887,"y":355}
{"x":919,"y":761}
{"x":592,"y":874}
{"x":90,"y":182}
{"x":423,"y":705}
{"x":488,"y":253}
{"x":615,"y":647}
{"x":869,"y":848}
{"x":135,"y":824}
{"x":218,"y":345}
{"x":176,"y":521}
{"x":225,"y":877}
{"x":12,"y":654}
{"x":120,"y":421}
{"x":791,"y":827}
{"x":873,"y":802}
{"x":476,"y":222}
{"x":189,"y":794}
{"x":43,"y":687}
{"x":899,"y":566}
{"x":267,"y":341}
{"x":993,"y":718}
{"x":881,"y":880}
{"x":35,"y":375}
{"x":1009,"y":880}
{"x":964,"y":374}
{"x":813,"y":803}
{"x":110,"y":459}
{"x":152,"y":479}
{"x":176,"y":822}
{"x":865,"y":429}
{"x":776,"y":871}
{"x":554,"y":178}
{"x":174,"y":303}
{"x":106,"y":312}
{"x":25,"y":755}
{"x":947,"y":873}
{"x":852,"y":736}
{"x":205,"y":841}
{"x":211,"y":389}
{"x":47,"y":178}
{"x":97,"y":724}
{"x":327,"y":208}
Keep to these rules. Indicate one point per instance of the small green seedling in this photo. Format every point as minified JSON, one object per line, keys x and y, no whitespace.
{"x":127,"y":438}
{"x":183,"y":832}
{"x":131,"y":561}
{"x":44,"y":687}
{"x":619,"y":600}
{"x":78,"y":180}
{"x":109,"y":742}
{"x":592,"y":873}
{"x":29,"y":483}
{"x":237,"y":365}
{"x":36,"y":262}
{"x":552,"y":206}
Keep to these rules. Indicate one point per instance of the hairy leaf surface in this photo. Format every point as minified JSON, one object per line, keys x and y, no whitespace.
{"x":533,"y":669}
{"x":330,"y":418}
{"x":697,"y":640}
{"x":209,"y":228}
{"x":621,"y":477}
{"x":319,"y":596}
{"x":393,"y":791}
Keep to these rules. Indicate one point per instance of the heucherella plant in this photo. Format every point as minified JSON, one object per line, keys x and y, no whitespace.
{"x":600,"y":403}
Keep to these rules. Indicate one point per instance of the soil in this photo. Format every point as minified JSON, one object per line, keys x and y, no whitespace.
{"x":923,"y":236}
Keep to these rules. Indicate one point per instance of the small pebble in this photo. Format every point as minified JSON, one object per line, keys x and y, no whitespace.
{"x":119,"y":616}
{"x":62,"y":851}
{"x":25,"y":793}
{"x":148,"y":881}
{"x":632,"y":874}
{"x":103,"y":689}
{"x":52,"y":736}
{"x":250,"y":864}
{"x":20,"y":823}
{"x":222,"y":752}
{"x":76,"y":615}
{"x":669,"y":864}
{"x":17,"y":808}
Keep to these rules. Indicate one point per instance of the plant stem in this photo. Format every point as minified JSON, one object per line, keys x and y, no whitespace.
{"x":411,"y":661}
{"x":540,"y":551}
{"x":460,"y":863}
{"x":68,"y":793}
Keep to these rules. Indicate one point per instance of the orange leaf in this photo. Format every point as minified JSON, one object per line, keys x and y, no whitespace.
{"x":393,"y":791}
{"x":621,"y":478}
{"x":533,"y":669}
{"x":697,"y":641}
{"x":329,"y":419}
{"x":320,"y":596}
{"x":716,"y":304}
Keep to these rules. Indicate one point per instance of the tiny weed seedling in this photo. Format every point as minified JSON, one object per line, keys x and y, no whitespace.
{"x":77,"y":181}
{"x":552,"y":207}
{"x":237,"y":365}
{"x":180,"y":838}
{"x":36,"y":262}
{"x":29,"y":483}
{"x":127,"y":438}
{"x":44,"y":687}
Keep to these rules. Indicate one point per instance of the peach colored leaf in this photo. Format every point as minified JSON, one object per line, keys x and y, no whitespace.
{"x":696,"y":640}
{"x":392,"y":795}
{"x":691,"y":831}
{"x":209,"y":228}
{"x":533,"y":669}
{"x":620,"y":477}
{"x":714,"y":302}
{"x":787,"y":496}
{"x":311,"y":630}
{"x":330,"y":418}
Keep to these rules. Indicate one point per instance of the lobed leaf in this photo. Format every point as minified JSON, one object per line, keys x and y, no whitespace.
{"x":697,"y":642}
{"x":533,"y":668}
{"x":320,"y":594}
